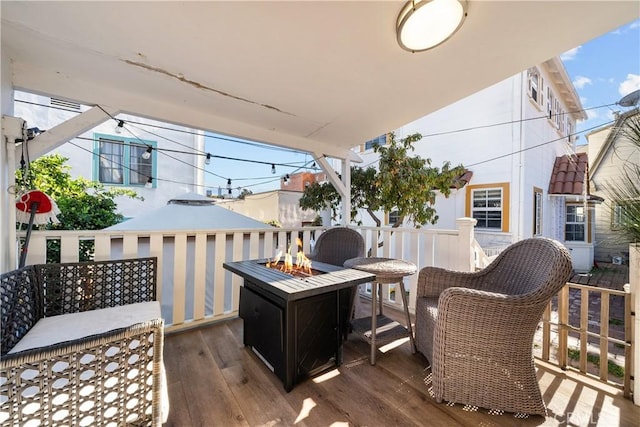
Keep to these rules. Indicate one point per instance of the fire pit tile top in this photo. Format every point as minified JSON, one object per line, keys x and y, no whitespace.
{"x":291,"y":288}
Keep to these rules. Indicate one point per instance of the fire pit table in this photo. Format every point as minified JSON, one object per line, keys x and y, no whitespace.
{"x":296,"y":324}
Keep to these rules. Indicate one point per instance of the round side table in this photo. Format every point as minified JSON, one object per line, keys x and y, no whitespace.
{"x":387,"y":271}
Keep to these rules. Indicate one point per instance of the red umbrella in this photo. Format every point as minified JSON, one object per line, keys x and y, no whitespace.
{"x":34,"y":207}
{"x":45,"y":209}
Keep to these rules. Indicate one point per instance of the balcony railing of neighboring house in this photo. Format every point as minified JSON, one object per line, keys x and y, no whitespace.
{"x":574,"y":338}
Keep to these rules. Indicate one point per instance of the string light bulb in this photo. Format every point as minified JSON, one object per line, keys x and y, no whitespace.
{"x":119,"y":126}
{"x":149,"y":183}
{"x":147,"y":154}
{"x":207,"y":161}
{"x":273,"y":168}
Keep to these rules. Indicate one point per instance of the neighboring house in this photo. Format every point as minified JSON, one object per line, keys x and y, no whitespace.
{"x":570,"y":183}
{"x":610,"y":153}
{"x":282,"y":206}
{"x":118,"y":159}
{"x":509,"y":136}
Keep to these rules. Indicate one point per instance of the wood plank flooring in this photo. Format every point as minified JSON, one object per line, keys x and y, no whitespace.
{"x":215,"y":381}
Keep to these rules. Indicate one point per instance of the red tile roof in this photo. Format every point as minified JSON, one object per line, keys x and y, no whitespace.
{"x":569,"y":175}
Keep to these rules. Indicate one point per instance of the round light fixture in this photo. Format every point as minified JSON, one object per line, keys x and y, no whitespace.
{"x":424,"y":24}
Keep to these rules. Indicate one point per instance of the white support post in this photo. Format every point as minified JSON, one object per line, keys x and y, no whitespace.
{"x":634,"y":284}
{"x":12,"y":129}
{"x":465,"y":241}
{"x":340,"y":184}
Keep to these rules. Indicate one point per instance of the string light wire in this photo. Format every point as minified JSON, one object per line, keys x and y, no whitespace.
{"x":202,"y":153}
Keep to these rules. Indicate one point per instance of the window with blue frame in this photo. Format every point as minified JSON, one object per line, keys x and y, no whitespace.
{"x":121,"y":161}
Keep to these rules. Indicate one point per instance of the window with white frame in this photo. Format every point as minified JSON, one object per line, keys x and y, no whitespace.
{"x":556,"y":112}
{"x":618,"y":216}
{"x":570,"y":136}
{"x":487,"y":207}
{"x":121,"y":161}
{"x":537,"y":212}
{"x":533,"y":78}
{"x":549,"y":103}
{"x":394,"y":217}
{"x":574,"y":225}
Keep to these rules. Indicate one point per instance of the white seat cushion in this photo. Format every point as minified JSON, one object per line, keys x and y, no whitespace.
{"x":67,"y":327}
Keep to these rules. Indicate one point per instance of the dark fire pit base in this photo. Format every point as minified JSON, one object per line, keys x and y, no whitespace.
{"x":296,"y":325}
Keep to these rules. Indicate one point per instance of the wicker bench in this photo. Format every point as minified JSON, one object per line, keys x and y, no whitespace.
{"x":82,"y":344}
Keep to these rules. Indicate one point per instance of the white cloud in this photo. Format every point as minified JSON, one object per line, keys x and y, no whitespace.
{"x":592,"y":114}
{"x":583,"y":100}
{"x":634,"y":25}
{"x":570,"y":54}
{"x":630,"y":84}
{"x":581,"y":81}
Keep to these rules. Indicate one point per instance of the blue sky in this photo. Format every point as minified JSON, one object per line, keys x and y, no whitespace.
{"x":602,"y":70}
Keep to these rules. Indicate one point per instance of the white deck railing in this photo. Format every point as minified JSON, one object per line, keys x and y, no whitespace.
{"x":194,"y":288}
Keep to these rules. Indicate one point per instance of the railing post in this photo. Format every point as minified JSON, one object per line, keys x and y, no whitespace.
{"x":546,"y":332}
{"x":634,"y":287}
{"x":563,"y":322}
{"x":465,"y":242}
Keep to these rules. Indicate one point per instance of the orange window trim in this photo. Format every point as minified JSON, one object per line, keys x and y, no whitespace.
{"x":506,"y":201}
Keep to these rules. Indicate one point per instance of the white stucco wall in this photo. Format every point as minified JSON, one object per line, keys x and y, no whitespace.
{"x":502,"y":136}
{"x":279,"y":205}
{"x":175,"y":173}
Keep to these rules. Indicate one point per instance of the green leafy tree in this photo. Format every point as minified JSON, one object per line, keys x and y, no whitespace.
{"x":405,"y":183}
{"x":625,"y":191}
{"x":84,"y":205}
{"x":244,"y":193}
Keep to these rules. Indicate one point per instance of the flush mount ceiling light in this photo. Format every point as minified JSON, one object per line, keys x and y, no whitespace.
{"x":424,"y":24}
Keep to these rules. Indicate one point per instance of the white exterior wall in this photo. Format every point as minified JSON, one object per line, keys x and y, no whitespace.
{"x":622,"y":156}
{"x":485,"y":146}
{"x":173,"y":177}
{"x":282,"y":206}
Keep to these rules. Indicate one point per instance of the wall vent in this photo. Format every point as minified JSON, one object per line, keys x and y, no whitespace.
{"x":65,"y":104}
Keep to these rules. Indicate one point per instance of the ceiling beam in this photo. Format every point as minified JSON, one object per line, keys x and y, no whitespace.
{"x":41,"y":81}
{"x":66,"y":131}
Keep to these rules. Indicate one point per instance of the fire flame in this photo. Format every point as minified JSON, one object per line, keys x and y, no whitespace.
{"x":302,"y":264}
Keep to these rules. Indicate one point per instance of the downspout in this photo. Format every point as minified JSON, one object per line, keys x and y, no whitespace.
{"x":520,"y":172}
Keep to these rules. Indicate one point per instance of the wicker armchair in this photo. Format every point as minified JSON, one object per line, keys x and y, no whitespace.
{"x":81,"y":344}
{"x":477,"y":329}
{"x":336,"y":245}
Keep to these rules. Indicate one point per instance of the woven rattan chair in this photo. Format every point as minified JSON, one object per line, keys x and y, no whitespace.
{"x":105,"y":378}
{"x":477,"y":329}
{"x":336,"y":245}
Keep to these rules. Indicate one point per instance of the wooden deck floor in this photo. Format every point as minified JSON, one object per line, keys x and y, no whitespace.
{"x":215,"y":381}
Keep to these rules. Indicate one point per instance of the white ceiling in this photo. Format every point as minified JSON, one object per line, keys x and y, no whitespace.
{"x":320,"y":76}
